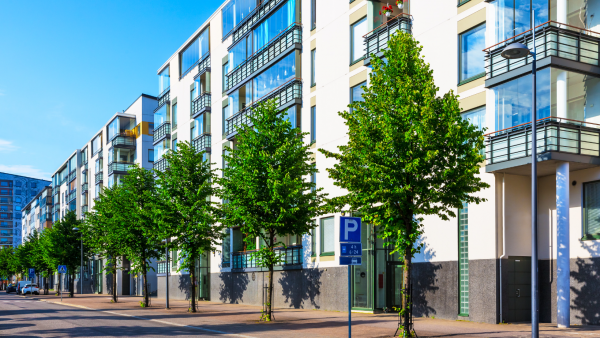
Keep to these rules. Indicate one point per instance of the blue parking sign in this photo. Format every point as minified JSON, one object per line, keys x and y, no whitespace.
{"x":31,"y":272}
{"x":350,"y":229}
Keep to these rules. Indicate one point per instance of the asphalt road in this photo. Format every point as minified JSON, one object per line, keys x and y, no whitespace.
{"x":20,"y":317}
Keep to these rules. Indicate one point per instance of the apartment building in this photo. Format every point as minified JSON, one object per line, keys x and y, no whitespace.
{"x":126,"y":139}
{"x":249,"y":51}
{"x":16,"y":192}
{"x":37,"y":214}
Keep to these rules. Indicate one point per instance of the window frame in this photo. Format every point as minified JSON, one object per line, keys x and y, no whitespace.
{"x":151,"y":151}
{"x":174,"y":116}
{"x":359,"y":85}
{"x":357,"y":22}
{"x":473,"y":77}
{"x":313,"y":71}
{"x":585,"y":235}
{"x":313,"y":15}
{"x":322,"y":235}
{"x":313,"y":124}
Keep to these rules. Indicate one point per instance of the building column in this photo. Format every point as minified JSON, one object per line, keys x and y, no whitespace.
{"x":563,"y":283}
{"x":561,"y":94}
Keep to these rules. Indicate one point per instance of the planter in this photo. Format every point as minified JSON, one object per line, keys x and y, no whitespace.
{"x":388,"y":14}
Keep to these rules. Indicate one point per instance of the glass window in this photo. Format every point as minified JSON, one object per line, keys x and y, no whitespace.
{"x":291,"y":115}
{"x":471,"y":55}
{"x":226,"y":115}
{"x":275,"y":76}
{"x":194,"y":52}
{"x":34,"y":185}
{"x":18,"y":192}
{"x":198,"y":127}
{"x":160,"y":149}
{"x":162,"y":115}
{"x":97,"y":144}
{"x":476,"y":116}
{"x":591,"y":213}
{"x":164,"y":80}
{"x":513,"y":17}
{"x":313,"y":180}
{"x":234,"y":12}
{"x":276,"y":23}
{"x":150,"y":155}
{"x":113,"y":129}
{"x":174,"y":113}
{"x":327,"y":236}
{"x":174,"y":144}
{"x":313,"y":14}
{"x":227,"y":17}
{"x":463,"y":259}
{"x":313,"y":75}
{"x":240,"y":52}
{"x":313,"y":242}
{"x":357,"y":48}
{"x":227,"y":247}
{"x":356,"y":92}
{"x":241,"y":98}
{"x":313,"y":124}
{"x":18,"y":184}
{"x":226,"y":70}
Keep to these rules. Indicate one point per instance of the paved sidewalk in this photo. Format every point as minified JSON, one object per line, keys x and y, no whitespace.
{"x":242,"y":320}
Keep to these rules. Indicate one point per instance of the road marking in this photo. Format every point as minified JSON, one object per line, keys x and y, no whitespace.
{"x":154,"y":320}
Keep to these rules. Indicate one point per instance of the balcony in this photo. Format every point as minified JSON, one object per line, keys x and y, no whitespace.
{"x":72,"y":175}
{"x":84,"y":168}
{"x":200,"y":105}
{"x":290,"y":256}
{"x":287,"y":95}
{"x":377,"y":40}
{"x":558,"y":139}
{"x":6,"y":216}
{"x":8,"y":242}
{"x":118,"y":167}
{"x":161,"y":164}
{"x":56,"y":190}
{"x":84,"y":209}
{"x":163,"y":131}
{"x":56,"y":208}
{"x":282,"y":44}
{"x":164,"y":97}
{"x":124,"y":141}
{"x":204,"y":64}
{"x":202,"y":143}
{"x":72,"y":195}
{"x":99,"y":177}
{"x":84,"y":188}
{"x":254,"y":17}
{"x":557,"y":45}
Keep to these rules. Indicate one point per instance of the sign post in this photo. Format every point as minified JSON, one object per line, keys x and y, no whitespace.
{"x":350,"y":254}
{"x":62,"y":269}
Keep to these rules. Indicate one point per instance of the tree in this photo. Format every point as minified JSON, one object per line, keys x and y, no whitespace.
{"x":102,"y":231}
{"x":184,"y":208}
{"x":62,"y":246}
{"x":409,"y":153}
{"x":267,"y":187}
{"x":7,"y":265}
{"x":140,"y":231}
{"x":35,"y":254}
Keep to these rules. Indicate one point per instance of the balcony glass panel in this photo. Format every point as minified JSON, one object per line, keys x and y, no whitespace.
{"x":275,"y":76}
{"x":240,"y":99}
{"x":201,"y":85}
{"x":122,"y":155}
{"x":513,"y":17}
{"x":240,"y":52}
{"x":164,"y":80}
{"x":193,"y":52}
{"x":276,"y":23}
{"x":162,"y":115}
{"x":160,"y":149}
{"x":234,"y":12}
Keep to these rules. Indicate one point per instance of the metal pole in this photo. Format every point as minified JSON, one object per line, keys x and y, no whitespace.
{"x":81,"y":268}
{"x":349,"y":307}
{"x":535,"y":320}
{"x":62,"y":287}
{"x":167,"y":274}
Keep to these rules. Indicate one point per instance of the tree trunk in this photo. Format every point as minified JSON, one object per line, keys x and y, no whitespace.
{"x":193,"y":277}
{"x":71,"y":284}
{"x":270,"y":287}
{"x":145,"y":283}
{"x":406,"y":300}
{"x":114,"y":280}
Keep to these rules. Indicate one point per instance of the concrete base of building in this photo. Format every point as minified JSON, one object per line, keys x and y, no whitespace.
{"x":179,"y":287}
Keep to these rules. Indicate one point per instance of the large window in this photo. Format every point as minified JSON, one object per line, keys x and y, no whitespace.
{"x":313,"y":74}
{"x":313,"y":242}
{"x":241,"y":98}
{"x":357,"y":48}
{"x":276,"y":23}
{"x":591,"y":211}
{"x":356,"y":92}
{"x":313,"y":14}
{"x":162,"y":115}
{"x":194,"y":52}
{"x":198,"y":126}
{"x":160,"y":149}
{"x":327,"y":236}
{"x":275,"y":76}
{"x":513,"y":17}
{"x":463,"y":259}
{"x":240,"y":52}
{"x":471,"y":55}
{"x":226,"y":248}
{"x":476,"y":116}
{"x":174,"y":115}
{"x":226,"y":115}
{"x":96,"y":144}
{"x":313,"y":124}
{"x":150,"y":155}
{"x":164,"y":80}
{"x":234,"y":12}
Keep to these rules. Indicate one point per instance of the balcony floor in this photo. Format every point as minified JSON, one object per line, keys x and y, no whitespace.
{"x":547,"y":163}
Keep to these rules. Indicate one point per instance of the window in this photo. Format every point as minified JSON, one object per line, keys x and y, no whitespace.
{"x":463,"y":259}
{"x":476,"y":116}
{"x":193,"y":52}
{"x":150,"y":155}
{"x":356,"y":93}
{"x":226,"y":115}
{"x":174,"y":113}
{"x":4,"y":184}
{"x":18,"y":199}
{"x":226,"y":248}
{"x":96,"y":144}
{"x":18,"y":192}
{"x":18,"y":184}
{"x":34,"y":185}
{"x":313,"y":124}
{"x":313,"y":14}
{"x":471,"y":62}
{"x":164,"y":80}
{"x":591,"y":212}
{"x":161,"y":115}
{"x":514,"y":17}
{"x":275,"y":76}
{"x":313,"y":179}
{"x":357,"y":31}
{"x":313,"y":75}
{"x":327,"y":236}
{"x":225,"y":71}
{"x":174,"y":260}
{"x":174,"y":144}
{"x":273,"y":25}
{"x":234,"y":12}
{"x":313,"y":242}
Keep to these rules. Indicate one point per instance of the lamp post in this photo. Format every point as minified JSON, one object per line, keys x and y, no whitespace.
{"x":81,"y":267}
{"x":518,"y":51}
{"x":167,"y":271}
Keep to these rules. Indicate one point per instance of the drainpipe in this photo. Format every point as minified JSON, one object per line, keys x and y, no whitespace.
{"x":503,"y":238}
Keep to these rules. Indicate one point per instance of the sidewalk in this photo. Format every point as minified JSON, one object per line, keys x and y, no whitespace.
{"x":242,"y":320}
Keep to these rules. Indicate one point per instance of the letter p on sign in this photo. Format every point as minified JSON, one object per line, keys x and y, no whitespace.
{"x":350,"y":229}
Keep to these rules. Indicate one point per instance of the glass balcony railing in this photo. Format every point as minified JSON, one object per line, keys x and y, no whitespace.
{"x":164,"y":97}
{"x":164,"y":130}
{"x":84,"y":188}
{"x":99,"y":177}
{"x":202,"y":143}
{"x":84,"y":168}
{"x":553,"y":135}
{"x":123,"y":141}
{"x":72,"y":195}
{"x":377,"y":39}
{"x":253,"y":17}
{"x":284,"y":40}
{"x":84,"y":209}
{"x":292,"y":255}
{"x":72,"y":175}
{"x":551,"y":39}
{"x":119,"y":167}
{"x":204,"y":64}
{"x":161,"y":164}
{"x":283,"y":95}
{"x":200,"y":104}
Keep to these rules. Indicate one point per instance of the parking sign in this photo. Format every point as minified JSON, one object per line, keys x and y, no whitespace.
{"x":350,"y":229}
{"x":31,"y":272}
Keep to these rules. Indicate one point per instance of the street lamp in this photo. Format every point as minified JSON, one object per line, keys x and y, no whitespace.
{"x":518,"y":51}
{"x":81,"y":267}
{"x":167,"y":271}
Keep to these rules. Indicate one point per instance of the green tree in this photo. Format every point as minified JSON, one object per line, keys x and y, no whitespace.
{"x":184,"y":207}
{"x":267,"y":187}
{"x":140,"y":233}
{"x":102,"y":231}
{"x":7,"y":262}
{"x":409,"y":153}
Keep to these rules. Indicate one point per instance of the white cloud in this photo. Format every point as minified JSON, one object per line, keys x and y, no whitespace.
{"x":6,"y":145}
{"x":25,"y":170}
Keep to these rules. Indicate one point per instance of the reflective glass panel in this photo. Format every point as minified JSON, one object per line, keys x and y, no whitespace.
{"x":357,"y":31}
{"x":276,"y":23}
{"x":164,"y":80}
{"x":472,"y":57}
{"x":275,"y":76}
{"x":161,"y":116}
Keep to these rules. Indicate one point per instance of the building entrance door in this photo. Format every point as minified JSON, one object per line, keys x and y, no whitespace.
{"x":519,"y":289}
{"x":125,"y":278}
{"x":394,"y":284}
{"x":203,"y":277}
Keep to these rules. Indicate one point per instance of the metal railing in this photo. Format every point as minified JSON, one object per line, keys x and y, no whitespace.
{"x":202,"y":143}
{"x":119,"y":167}
{"x":73,"y":175}
{"x":164,"y":97}
{"x":287,"y":92}
{"x":161,"y":164}
{"x":123,"y":141}
{"x":200,"y":103}
{"x":56,"y":208}
{"x":204,"y":64}
{"x":551,"y":39}
{"x":253,"y":17}
{"x":292,"y":255}
{"x":377,"y":39}
{"x":284,"y":40}
{"x":56,"y":190}
{"x":99,"y":177}
{"x":84,"y":188}
{"x":73,"y":195}
{"x":553,"y":134}
{"x":84,"y":209}
{"x":6,"y":215}
{"x":161,"y":267}
{"x":162,"y":131}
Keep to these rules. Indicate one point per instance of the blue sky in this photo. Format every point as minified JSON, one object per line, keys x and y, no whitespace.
{"x":67,"y":66}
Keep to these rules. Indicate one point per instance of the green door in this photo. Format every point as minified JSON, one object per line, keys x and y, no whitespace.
{"x":519,"y":289}
{"x":203,"y":277}
{"x":394,"y":284}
